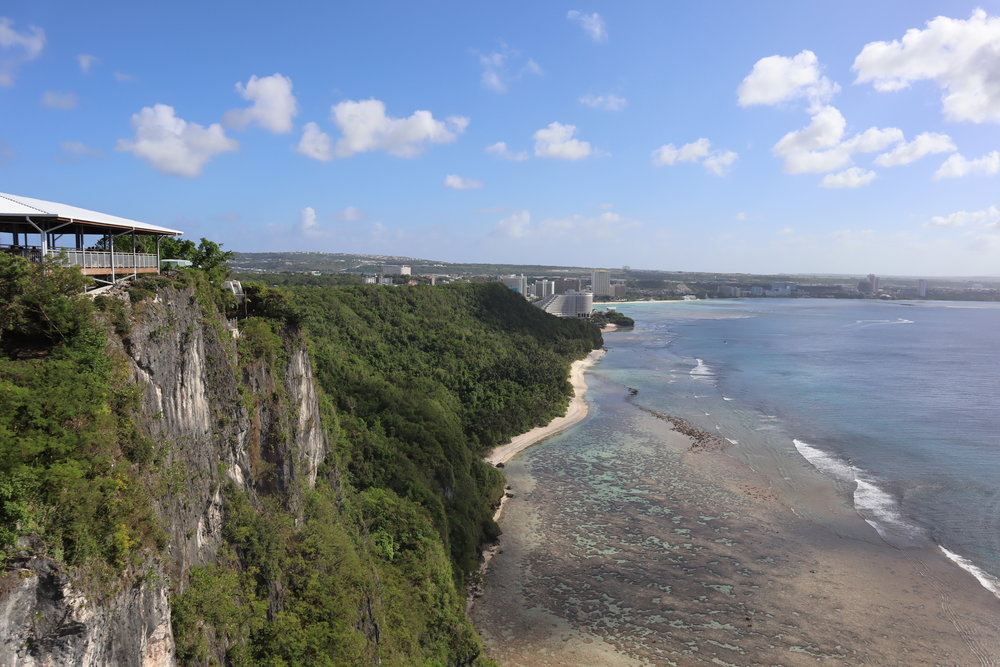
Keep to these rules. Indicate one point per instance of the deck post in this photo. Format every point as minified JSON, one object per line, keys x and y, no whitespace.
{"x":158,"y":239}
{"x":111,"y":247}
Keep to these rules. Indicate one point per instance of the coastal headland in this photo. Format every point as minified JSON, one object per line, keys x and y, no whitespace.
{"x":628,"y":543}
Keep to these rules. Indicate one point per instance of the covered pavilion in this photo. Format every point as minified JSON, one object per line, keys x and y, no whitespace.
{"x":39,"y":228}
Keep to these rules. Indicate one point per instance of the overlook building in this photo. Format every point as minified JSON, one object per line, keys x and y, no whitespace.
{"x":38,"y":229}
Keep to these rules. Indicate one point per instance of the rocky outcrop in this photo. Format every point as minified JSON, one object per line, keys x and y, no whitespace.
{"x":213,"y":420}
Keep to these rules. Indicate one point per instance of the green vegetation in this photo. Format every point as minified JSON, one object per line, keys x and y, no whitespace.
{"x":71,"y":455}
{"x":603,"y":317}
{"x":416,"y":384}
{"x":368,"y":565}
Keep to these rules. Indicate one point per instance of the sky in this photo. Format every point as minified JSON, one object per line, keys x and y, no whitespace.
{"x":797,"y":137}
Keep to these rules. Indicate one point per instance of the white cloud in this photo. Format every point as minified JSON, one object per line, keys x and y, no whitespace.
{"x":86,"y":62}
{"x":56,"y":100}
{"x":515,"y":226}
{"x":604,"y":102}
{"x":989,"y":218}
{"x":557,"y":141}
{"x":777,"y":79}
{"x":958,"y":166}
{"x":274,"y":106}
{"x":308,"y":225}
{"x":740,"y":217}
{"x":961,"y":56}
{"x":121,"y":77}
{"x":366,"y":127}
{"x":719,"y":162}
{"x":73,"y":151}
{"x":173,"y":145}
{"x":855,"y":177}
{"x":456,"y":182}
{"x":350,"y":214}
{"x":592,"y":24}
{"x":315,"y":143}
{"x":820,"y":146}
{"x":692,"y":152}
{"x":500,"y":150}
{"x":605,"y":225}
{"x":699,"y":152}
{"x":17,"y":48}
{"x":924,"y":144}
{"x":503,"y":67}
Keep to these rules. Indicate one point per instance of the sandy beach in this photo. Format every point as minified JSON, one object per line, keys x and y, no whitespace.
{"x":576,"y":411}
{"x":627,"y":544}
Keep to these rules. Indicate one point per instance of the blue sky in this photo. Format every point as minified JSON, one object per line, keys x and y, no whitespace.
{"x":846,"y":137}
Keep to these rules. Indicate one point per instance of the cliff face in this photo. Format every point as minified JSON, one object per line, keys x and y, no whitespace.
{"x":213,"y":420}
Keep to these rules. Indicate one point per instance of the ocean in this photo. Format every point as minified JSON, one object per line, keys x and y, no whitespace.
{"x":897,"y":402}
{"x":848,"y":511}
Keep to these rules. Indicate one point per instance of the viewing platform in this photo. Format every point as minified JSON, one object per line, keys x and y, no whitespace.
{"x":104,"y":246}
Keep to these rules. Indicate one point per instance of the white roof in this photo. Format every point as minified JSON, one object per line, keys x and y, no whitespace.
{"x":16,"y":205}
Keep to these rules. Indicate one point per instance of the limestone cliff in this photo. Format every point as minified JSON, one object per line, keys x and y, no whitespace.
{"x":213,"y":419}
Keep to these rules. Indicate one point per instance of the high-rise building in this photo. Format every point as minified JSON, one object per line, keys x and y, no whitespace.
{"x":600,"y":283}
{"x":517,"y":283}
{"x":395,"y":270}
{"x":922,"y":288}
{"x":563,"y":285}
{"x":572,"y":304}
{"x":544,"y":288}
{"x":873,"y":280}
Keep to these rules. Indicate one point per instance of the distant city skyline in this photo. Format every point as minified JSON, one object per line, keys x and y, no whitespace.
{"x":761,"y":138}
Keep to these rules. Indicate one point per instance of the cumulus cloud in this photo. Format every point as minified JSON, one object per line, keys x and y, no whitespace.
{"x":274,"y":106}
{"x":56,"y":100}
{"x":924,"y":144}
{"x":350,"y":214}
{"x":173,"y":145}
{"x":958,"y":166}
{"x":989,"y":218}
{"x":698,"y":152}
{"x":74,"y":151}
{"x":501,"y":150}
{"x":86,"y":62}
{"x":365,"y":127}
{"x":17,"y":47}
{"x":503,"y":67}
{"x":456,"y":182}
{"x":308,"y":225}
{"x":777,"y":79}
{"x":855,"y":177}
{"x":315,"y":143}
{"x":514,"y":226}
{"x":961,"y":56}
{"x":557,"y":141}
{"x":604,"y":102}
{"x":820,"y":146}
{"x":591,"y":24}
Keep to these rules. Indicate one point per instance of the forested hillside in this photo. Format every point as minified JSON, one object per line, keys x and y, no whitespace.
{"x":168,"y":456}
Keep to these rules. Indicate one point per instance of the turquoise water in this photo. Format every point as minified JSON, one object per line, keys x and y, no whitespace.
{"x":895,"y":401}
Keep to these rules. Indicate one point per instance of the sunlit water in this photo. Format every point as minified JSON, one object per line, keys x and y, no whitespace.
{"x":897,"y":402}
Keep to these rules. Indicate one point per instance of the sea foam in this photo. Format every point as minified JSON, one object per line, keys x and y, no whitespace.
{"x":702,"y":371}
{"x":872,"y":503}
{"x":990,"y":583}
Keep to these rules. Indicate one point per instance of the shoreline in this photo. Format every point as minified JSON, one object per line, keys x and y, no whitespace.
{"x":501,"y":454}
{"x":764,"y":560}
{"x":576,"y":411}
